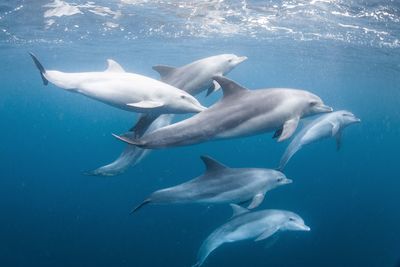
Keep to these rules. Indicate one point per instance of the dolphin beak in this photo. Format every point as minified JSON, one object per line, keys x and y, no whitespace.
{"x":357,"y":120}
{"x":306,"y":228}
{"x":200,"y":108}
{"x":241,"y":59}
{"x":324,"y":108}
{"x":288,"y":181}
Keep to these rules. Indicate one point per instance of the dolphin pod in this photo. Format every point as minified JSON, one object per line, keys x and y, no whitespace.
{"x":221,"y":184}
{"x":240,"y":112}
{"x":193,"y":78}
{"x":245,"y":225}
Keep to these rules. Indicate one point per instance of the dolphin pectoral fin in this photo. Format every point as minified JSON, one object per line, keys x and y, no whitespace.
{"x":147,"y":201}
{"x":267,"y":233}
{"x":289,"y":127}
{"x":335,"y":128}
{"x":146,"y":104}
{"x":257,"y":200}
{"x":214,"y":87}
{"x":338,"y":138}
{"x":40,"y":68}
{"x":113,"y":66}
{"x":238,"y":210}
{"x":164,"y":70}
{"x":143,"y":124}
{"x":277,"y":133}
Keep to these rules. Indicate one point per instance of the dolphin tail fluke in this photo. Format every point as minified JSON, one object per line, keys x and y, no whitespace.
{"x":40,"y":67}
{"x":128,"y":139}
{"x":147,"y":201}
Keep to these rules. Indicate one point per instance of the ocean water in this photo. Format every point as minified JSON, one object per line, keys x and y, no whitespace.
{"x":347,"y":52}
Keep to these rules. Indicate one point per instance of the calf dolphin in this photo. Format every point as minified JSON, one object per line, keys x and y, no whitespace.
{"x":192,"y":78}
{"x":127,"y":91}
{"x":221,"y":184}
{"x":241,"y":112}
{"x":327,"y":125}
{"x":245,"y":225}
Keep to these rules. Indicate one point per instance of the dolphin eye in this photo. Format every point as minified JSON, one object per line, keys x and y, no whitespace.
{"x":313,"y":103}
{"x":291,"y":219}
{"x":279,"y":180}
{"x":183,"y":97}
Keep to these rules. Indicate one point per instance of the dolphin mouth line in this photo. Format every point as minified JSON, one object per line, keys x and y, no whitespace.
{"x":241,"y":59}
{"x":288,"y":181}
{"x":325,"y":108}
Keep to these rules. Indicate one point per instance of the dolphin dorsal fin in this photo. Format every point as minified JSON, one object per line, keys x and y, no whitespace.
{"x":211,"y":164}
{"x":163,"y":70}
{"x":114,"y":66}
{"x":238,"y":210}
{"x":228,"y":86}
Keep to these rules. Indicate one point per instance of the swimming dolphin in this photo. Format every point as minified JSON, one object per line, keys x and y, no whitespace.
{"x":221,"y":184}
{"x":192,"y":78}
{"x":245,"y":225}
{"x":327,"y":125}
{"x":197,"y":76}
{"x":127,"y":91}
{"x":241,"y":112}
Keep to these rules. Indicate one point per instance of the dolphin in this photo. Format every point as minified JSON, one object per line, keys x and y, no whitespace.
{"x":193,"y":78}
{"x":221,"y":184}
{"x":327,"y":125}
{"x":241,"y":112}
{"x":127,"y":91}
{"x":197,"y":76}
{"x":245,"y":225}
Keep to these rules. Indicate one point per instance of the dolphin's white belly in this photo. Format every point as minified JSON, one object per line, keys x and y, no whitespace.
{"x":116,"y":89}
{"x":319,"y":131}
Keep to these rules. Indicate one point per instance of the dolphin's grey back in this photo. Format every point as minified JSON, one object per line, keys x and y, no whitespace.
{"x":222,"y":116}
{"x":206,"y":186}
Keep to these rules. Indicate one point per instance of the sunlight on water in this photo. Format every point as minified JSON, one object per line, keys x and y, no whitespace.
{"x":352,"y":22}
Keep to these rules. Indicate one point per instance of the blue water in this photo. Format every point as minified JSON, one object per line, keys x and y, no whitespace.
{"x":53,"y":215}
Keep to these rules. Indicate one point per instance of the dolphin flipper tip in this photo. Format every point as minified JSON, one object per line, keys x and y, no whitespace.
{"x":40,"y":68}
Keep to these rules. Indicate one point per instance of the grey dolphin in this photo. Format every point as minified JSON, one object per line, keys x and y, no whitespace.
{"x":245,"y":225}
{"x":221,"y":184}
{"x":193,"y":78}
{"x":327,"y":125}
{"x":241,"y":112}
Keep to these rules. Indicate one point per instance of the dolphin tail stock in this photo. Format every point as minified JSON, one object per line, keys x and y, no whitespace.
{"x":289,"y":152}
{"x":145,"y":202}
{"x":40,"y":68}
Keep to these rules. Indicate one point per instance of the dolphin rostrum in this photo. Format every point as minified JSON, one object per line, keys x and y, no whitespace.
{"x":127,"y":91}
{"x":193,"y":78}
{"x":241,"y":112}
{"x":221,"y":184}
{"x":245,"y":225}
{"x":327,"y":125}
